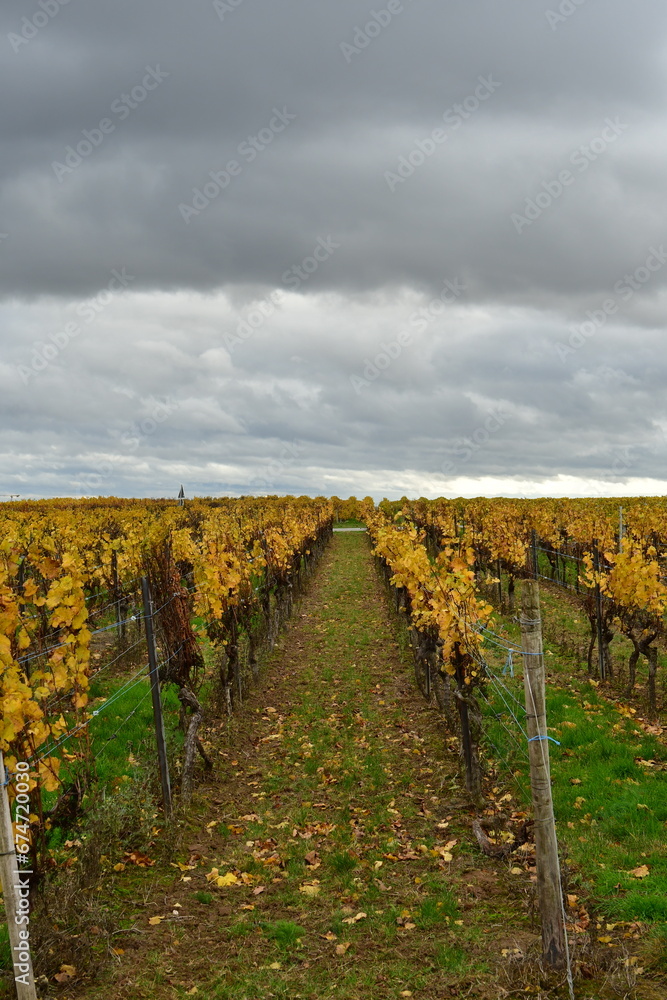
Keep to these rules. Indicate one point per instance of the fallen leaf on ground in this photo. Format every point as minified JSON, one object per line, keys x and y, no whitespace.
{"x":66,"y":972}
{"x":137,"y":858}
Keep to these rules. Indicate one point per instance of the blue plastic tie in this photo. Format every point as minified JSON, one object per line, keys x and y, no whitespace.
{"x":534,"y":738}
{"x":509,"y":666}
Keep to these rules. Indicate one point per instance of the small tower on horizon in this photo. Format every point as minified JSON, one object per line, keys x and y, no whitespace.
{"x":181,"y":496}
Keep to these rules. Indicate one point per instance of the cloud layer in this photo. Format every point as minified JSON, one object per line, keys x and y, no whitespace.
{"x":328,"y":248}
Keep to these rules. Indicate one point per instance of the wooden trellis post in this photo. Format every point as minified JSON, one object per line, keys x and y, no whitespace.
{"x":550,"y":895}
{"x":15,"y":893}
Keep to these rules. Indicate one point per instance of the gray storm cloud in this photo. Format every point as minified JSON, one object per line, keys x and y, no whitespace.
{"x":227,"y":229}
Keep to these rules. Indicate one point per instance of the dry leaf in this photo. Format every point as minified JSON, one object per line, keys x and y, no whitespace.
{"x":137,"y":858}
{"x":329,"y":936}
{"x":640,"y":872}
{"x":342,"y":948}
{"x":309,"y":889}
{"x":275,"y":965}
{"x":66,"y":973}
{"x":155,"y":920}
{"x":228,"y":879}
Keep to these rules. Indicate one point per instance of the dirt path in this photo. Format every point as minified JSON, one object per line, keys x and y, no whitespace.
{"x":336,"y":826}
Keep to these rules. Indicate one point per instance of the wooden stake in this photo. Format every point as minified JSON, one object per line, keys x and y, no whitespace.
{"x":155,"y":691}
{"x":598,"y":614}
{"x":473,"y":779}
{"x":13,"y":894}
{"x":554,"y":941}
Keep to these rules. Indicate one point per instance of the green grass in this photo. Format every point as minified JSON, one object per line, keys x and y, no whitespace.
{"x":451,"y":958}
{"x":5,"y":948}
{"x":122,"y":738}
{"x":204,"y":897}
{"x":611,"y":810}
{"x":285,"y":934}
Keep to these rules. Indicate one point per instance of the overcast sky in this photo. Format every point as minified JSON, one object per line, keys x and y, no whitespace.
{"x":413,"y":247}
